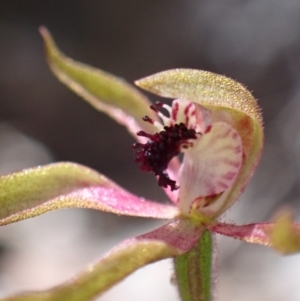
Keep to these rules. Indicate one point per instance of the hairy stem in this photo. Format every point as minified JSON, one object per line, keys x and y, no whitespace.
{"x":194,"y":270}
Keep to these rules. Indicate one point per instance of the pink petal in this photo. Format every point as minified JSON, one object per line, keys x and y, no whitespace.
{"x":283,"y":235}
{"x":210,"y":166}
{"x":252,"y":233}
{"x":116,"y":200}
{"x":63,"y":185}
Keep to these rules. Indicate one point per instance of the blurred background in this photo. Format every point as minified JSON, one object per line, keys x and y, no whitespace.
{"x":254,"y":42}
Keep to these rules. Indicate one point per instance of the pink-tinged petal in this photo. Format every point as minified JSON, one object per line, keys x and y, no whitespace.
{"x":181,"y":234}
{"x":228,"y":101}
{"x":251,"y":133}
{"x":116,"y":200}
{"x":252,"y":233}
{"x":210,"y":167}
{"x":283,"y":235}
{"x":168,"y":241}
{"x":35,"y":191}
{"x":105,"y":92}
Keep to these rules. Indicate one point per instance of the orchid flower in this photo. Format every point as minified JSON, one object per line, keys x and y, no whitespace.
{"x":213,"y":120}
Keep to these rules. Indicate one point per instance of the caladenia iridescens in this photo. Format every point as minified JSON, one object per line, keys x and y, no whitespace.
{"x":213,"y":121}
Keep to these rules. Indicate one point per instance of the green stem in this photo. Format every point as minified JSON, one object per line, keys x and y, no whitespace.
{"x":194,"y":270}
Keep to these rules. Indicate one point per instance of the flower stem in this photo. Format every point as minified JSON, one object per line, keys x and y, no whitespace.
{"x":194,"y":270}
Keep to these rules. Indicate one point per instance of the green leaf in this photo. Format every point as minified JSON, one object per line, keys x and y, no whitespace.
{"x":102,"y":90}
{"x":119,"y":263}
{"x":194,"y":271}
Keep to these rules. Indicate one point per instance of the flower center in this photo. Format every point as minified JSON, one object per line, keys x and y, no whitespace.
{"x":155,"y":155}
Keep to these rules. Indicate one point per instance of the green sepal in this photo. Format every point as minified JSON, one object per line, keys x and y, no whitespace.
{"x":194,"y":270}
